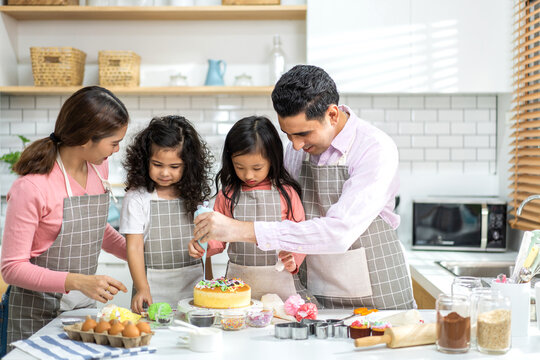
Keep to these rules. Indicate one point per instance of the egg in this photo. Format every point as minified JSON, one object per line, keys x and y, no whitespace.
{"x":102,"y":326}
{"x":116,"y":328}
{"x":89,"y":324}
{"x":144,"y":327}
{"x":131,"y":331}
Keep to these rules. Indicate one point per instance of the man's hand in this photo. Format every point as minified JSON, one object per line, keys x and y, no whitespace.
{"x":216,"y":226}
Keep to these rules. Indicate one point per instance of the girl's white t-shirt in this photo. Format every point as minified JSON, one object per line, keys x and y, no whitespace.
{"x":135,"y":215}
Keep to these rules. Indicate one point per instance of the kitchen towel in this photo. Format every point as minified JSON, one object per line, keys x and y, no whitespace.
{"x":61,"y":347}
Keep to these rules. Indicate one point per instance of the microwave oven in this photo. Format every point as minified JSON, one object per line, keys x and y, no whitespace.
{"x":470,"y":224}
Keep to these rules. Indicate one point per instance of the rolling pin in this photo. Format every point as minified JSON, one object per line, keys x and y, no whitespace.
{"x":402,"y":336}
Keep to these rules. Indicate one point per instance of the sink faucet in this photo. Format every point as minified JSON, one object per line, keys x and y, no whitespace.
{"x":520,"y":208}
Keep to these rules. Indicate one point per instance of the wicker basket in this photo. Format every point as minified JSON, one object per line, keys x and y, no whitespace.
{"x":119,"y":68}
{"x":57,"y":66}
{"x":43,"y":2}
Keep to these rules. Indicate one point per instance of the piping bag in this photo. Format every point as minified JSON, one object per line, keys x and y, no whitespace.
{"x":202,"y":209}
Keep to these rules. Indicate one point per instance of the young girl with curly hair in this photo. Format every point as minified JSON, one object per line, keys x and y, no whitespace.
{"x":168,"y":174}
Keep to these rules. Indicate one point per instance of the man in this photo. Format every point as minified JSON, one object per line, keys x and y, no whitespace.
{"x":348,"y":173}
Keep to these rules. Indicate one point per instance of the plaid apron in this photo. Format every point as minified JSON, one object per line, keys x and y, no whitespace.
{"x":75,"y":250}
{"x":373,"y":272}
{"x":171,"y":272}
{"x":255,"y":266}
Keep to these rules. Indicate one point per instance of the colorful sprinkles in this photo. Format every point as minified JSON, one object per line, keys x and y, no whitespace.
{"x":230,"y":285}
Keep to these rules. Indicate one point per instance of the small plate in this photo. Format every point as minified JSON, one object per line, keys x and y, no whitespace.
{"x":71,"y":320}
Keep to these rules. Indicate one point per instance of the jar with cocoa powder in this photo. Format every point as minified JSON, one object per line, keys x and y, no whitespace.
{"x":453,"y":323}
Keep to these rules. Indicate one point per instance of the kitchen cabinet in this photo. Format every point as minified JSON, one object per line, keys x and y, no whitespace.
{"x":169,"y":40}
{"x":424,"y":300}
{"x":412,"y":46}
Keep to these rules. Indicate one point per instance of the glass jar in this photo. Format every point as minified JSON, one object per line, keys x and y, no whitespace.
{"x":233,"y":320}
{"x":243,"y":80}
{"x":476,"y":295}
{"x":494,"y":330}
{"x":259,"y":317}
{"x":463,"y":285}
{"x":178,"y":80}
{"x":453,"y":323}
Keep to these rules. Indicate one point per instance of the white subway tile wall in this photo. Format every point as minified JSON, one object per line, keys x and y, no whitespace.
{"x":434,"y":133}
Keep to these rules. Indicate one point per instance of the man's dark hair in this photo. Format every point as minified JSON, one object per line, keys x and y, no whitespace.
{"x":304,"y":88}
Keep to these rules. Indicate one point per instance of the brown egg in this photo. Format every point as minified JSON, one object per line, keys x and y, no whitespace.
{"x":116,"y":328}
{"x":102,"y":326}
{"x":131,"y":330}
{"x":144,"y":327}
{"x":89,"y":324}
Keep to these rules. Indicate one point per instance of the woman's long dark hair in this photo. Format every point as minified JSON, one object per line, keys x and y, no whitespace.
{"x":251,"y":135}
{"x":91,"y":113}
{"x":171,"y":132}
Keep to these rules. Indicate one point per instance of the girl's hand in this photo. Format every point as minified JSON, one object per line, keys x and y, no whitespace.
{"x":288,"y":260}
{"x":195,"y":250}
{"x":98,"y":287}
{"x":141,"y":297}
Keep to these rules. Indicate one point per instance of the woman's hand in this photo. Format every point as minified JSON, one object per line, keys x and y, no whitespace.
{"x":141,"y":297}
{"x":195,"y":250}
{"x":98,"y":287}
{"x":288,"y":260}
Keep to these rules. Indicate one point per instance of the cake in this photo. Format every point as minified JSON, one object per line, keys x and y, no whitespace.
{"x":360,"y":328}
{"x":222,"y":294}
{"x":378,"y":327}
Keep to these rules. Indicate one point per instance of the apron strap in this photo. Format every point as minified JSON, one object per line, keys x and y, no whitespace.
{"x":106,"y":183}
{"x":61,"y":165}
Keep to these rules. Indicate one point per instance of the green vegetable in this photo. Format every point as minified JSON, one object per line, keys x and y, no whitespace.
{"x":155,"y":308}
{"x":12,"y":157}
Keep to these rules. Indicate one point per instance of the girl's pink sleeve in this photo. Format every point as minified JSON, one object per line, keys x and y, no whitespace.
{"x":114,"y":243}
{"x":26,"y":207}
{"x":297,"y":214}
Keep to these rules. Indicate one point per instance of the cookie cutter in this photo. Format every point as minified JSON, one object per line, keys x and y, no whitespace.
{"x":341,"y":331}
{"x":282,"y":331}
{"x":332,"y":323}
{"x":311,"y":324}
{"x":321,"y":330}
{"x":299,"y":331}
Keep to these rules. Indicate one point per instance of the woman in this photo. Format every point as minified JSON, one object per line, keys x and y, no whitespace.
{"x":56,"y":220}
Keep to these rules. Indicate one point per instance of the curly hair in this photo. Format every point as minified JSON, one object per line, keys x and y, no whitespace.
{"x":174,"y":132}
{"x":250,"y":135}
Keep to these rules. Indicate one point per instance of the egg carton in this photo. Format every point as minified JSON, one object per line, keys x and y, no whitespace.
{"x":75,"y":333}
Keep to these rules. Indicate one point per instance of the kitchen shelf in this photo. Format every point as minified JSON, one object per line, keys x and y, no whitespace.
{"x":253,"y":12}
{"x":145,"y":90}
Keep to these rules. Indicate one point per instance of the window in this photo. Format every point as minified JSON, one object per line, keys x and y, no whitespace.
{"x":525,"y":160}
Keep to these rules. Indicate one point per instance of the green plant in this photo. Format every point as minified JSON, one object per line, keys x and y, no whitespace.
{"x":12,"y":157}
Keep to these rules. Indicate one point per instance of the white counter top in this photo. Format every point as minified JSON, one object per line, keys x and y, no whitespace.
{"x":436,"y":280}
{"x":253,"y":343}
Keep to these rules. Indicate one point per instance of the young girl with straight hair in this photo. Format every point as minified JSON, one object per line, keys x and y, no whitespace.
{"x":253,"y":185}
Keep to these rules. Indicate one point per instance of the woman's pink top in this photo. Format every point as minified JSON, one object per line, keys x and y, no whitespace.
{"x":222,"y":205}
{"x":33,"y":221}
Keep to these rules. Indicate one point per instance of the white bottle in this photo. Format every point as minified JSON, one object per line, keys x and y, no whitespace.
{"x":277,"y":61}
